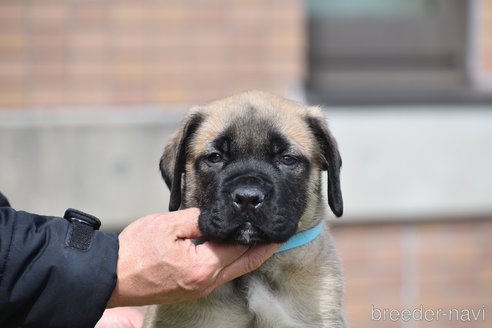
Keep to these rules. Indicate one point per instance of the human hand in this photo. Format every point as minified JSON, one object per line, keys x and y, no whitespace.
{"x":122,"y":317}
{"x":158,"y":262}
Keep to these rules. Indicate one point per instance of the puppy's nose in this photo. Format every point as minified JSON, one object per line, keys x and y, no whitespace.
{"x":247,"y":197}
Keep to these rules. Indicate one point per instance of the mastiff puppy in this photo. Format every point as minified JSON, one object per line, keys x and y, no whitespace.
{"x":253,"y":164}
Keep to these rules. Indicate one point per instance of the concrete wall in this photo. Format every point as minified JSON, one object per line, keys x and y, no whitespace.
{"x":415,"y":162}
{"x":399,"y":163}
{"x":104,"y":163}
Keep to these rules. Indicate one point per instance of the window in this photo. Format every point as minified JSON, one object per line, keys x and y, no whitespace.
{"x":383,"y":51}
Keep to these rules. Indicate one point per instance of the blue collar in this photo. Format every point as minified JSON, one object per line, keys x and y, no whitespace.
{"x":301,"y":238}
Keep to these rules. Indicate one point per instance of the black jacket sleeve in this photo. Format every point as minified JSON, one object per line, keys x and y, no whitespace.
{"x":54,"y":272}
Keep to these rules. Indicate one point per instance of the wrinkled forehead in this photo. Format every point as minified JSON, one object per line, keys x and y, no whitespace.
{"x":254,"y":130}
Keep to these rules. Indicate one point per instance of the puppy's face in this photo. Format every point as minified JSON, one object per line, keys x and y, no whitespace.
{"x":252,"y":164}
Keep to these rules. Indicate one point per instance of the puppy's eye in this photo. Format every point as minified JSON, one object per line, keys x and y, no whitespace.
{"x":288,"y":160}
{"x":214,"y":158}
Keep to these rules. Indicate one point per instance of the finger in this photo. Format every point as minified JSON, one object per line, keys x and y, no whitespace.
{"x":186,"y":223}
{"x":249,"y":261}
{"x":220,"y":255}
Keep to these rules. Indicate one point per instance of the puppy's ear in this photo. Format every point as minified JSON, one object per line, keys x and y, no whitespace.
{"x":173,"y":161}
{"x":330,"y":161}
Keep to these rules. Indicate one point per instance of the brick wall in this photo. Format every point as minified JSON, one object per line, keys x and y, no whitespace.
{"x":439,"y":265}
{"x":485,"y":38}
{"x":62,"y":53}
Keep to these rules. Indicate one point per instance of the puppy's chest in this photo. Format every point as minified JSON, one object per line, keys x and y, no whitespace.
{"x":269,"y":304}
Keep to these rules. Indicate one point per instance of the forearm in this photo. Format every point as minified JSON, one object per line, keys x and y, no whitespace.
{"x":51,"y":275}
